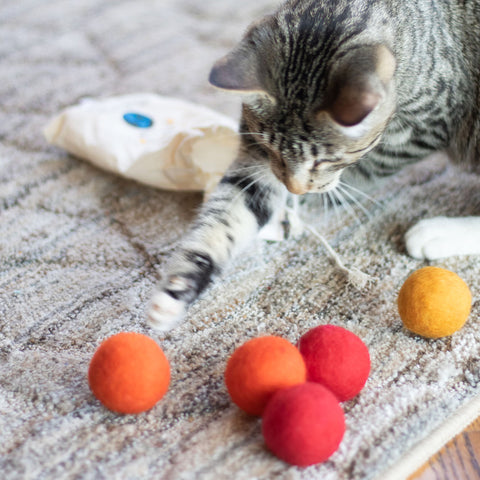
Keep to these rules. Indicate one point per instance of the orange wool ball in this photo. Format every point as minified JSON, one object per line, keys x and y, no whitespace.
{"x":129,"y":373}
{"x":434,"y":302}
{"x":260,"y":367}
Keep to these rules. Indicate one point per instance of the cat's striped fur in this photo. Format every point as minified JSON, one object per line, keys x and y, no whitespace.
{"x":356,"y":88}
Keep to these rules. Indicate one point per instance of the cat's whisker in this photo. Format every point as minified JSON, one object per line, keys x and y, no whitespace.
{"x":354,"y":200}
{"x":262,"y":142}
{"x":361,"y":193}
{"x":346,"y":205}
{"x":334,"y":203}
{"x":253,"y":182}
{"x":326,"y":212}
{"x":243,"y":134}
{"x":254,"y":144}
{"x":263,"y":134}
{"x":249,"y":170}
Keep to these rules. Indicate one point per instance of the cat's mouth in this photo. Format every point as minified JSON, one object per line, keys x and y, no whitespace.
{"x":295,"y":187}
{"x":304,"y":180}
{"x":299,"y":188}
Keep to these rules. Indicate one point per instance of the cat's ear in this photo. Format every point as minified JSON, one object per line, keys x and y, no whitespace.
{"x":359,"y":83}
{"x":238,"y":71}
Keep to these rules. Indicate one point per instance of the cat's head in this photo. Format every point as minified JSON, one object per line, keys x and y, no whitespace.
{"x":319,"y":92}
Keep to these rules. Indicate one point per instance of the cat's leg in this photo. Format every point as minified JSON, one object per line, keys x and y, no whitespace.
{"x":441,"y":237}
{"x":227,"y":222}
{"x":285,"y":223}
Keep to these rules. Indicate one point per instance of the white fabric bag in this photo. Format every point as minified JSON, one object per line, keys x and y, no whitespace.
{"x":186,"y":147}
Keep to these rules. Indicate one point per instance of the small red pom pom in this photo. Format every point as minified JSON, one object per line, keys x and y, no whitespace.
{"x":303,"y":424}
{"x":336,"y":358}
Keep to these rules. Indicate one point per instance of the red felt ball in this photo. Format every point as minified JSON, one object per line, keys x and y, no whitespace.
{"x":303,"y":424}
{"x":336,"y":358}
{"x":129,"y":373}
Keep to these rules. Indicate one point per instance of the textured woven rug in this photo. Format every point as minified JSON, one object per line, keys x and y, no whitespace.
{"x":81,"y":251}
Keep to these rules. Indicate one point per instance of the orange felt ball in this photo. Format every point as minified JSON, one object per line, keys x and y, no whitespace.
{"x":129,"y":373}
{"x":260,"y":367}
{"x":434,"y":302}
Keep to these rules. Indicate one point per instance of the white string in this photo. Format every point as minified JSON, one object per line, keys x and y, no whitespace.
{"x":355,"y":276}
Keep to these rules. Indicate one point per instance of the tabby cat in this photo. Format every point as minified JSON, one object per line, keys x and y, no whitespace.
{"x":351,"y":89}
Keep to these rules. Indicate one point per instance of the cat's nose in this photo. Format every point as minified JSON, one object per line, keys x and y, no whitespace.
{"x":294,"y":186}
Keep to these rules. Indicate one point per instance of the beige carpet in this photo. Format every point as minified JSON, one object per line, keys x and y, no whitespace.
{"x":81,"y":251}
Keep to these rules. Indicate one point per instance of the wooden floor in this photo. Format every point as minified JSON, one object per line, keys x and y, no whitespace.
{"x":458,"y":460}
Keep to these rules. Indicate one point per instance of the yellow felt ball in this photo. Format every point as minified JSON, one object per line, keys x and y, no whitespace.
{"x":434,"y":302}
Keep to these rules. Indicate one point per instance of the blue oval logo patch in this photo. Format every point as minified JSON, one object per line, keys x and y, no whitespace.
{"x":138,"y":120}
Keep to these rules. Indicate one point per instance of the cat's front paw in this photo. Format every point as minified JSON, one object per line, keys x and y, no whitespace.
{"x":284,"y":224}
{"x":427,"y":240}
{"x":442,"y":237}
{"x":165,"y":312}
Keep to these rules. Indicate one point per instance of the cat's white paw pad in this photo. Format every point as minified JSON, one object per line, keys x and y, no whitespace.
{"x":429,"y":239}
{"x":442,"y":237}
{"x":165,"y":312}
